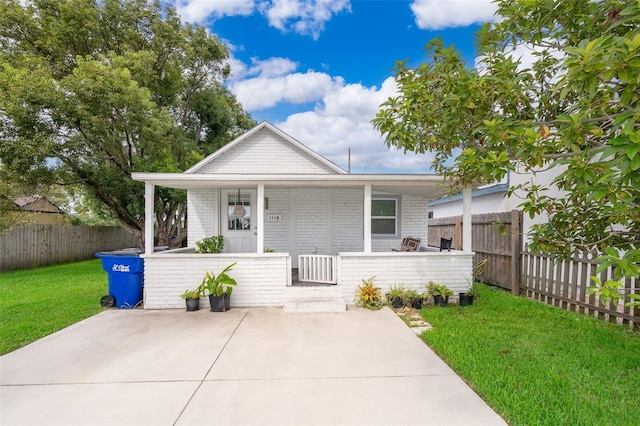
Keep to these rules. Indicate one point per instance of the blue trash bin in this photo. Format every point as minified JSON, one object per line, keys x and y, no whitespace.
{"x":125,"y":270}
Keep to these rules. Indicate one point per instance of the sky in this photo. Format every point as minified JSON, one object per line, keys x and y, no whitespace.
{"x":319,"y":69}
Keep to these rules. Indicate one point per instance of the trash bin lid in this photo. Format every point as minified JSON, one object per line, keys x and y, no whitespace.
{"x":123,"y":252}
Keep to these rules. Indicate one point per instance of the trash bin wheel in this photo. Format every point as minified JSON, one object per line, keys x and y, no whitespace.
{"x":107,"y":301}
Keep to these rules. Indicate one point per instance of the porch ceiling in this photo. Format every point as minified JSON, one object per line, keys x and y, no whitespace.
{"x":427,"y":186}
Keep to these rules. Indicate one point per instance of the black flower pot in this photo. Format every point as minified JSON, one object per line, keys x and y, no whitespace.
{"x":227,"y":301}
{"x":217,"y":303}
{"x":441,"y":301}
{"x":417,"y":303}
{"x":466,"y":299}
{"x":396,"y":302}
{"x":192,"y":304}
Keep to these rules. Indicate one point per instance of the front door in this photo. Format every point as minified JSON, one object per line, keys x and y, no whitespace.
{"x":238,"y":220}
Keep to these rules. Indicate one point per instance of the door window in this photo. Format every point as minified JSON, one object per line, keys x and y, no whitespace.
{"x":239,"y":211}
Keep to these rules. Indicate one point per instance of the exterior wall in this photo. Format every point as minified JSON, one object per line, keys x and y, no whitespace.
{"x":347,"y":220}
{"x":277,"y":233}
{"x":266,"y":152}
{"x":490,"y":203}
{"x":413,"y":223}
{"x":311,"y":220}
{"x":498,"y":202}
{"x":314,"y":221}
{"x":413,"y":270}
{"x":539,"y":178}
{"x":262,"y":278}
{"x":202,"y":208}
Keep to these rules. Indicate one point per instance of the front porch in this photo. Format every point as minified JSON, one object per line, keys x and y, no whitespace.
{"x":265,"y":279}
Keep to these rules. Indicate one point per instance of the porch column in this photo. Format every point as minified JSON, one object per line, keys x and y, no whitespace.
{"x":260,"y":218}
{"x":149,"y":192}
{"x":466,"y":218}
{"x":367,"y":218}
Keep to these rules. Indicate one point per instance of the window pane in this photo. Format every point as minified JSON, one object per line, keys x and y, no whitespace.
{"x":239,"y":211}
{"x":383,"y":226}
{"x":383,"y":208}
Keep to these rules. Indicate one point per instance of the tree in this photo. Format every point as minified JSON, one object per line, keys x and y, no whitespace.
{"x":575,"y":108}
{"x":94,"y":90}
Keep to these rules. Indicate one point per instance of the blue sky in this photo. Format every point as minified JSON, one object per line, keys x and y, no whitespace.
{"x":319,"y":69}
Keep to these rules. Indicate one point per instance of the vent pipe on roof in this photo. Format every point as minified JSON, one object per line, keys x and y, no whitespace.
{"x":349,"y":159}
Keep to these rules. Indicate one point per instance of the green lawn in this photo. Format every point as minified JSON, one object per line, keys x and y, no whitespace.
{"x":38,"y":302}
{"x":540,"y":365}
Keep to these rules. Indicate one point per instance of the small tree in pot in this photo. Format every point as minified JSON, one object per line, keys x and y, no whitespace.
{"x":217,"y":286}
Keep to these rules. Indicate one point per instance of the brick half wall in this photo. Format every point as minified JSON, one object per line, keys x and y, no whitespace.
{"x":262,"y":278}
{"x":414,"y":270}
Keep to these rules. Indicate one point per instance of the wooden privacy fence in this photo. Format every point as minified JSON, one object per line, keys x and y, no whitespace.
{"x":564,"y":283}
{"x":497,"y":237}
{"x":499,"y":245}
{"x":40,"y":245}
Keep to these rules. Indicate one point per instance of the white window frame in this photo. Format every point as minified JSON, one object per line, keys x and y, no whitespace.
{"x":395,"y":198}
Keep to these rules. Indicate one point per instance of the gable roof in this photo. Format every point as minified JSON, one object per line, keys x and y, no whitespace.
{"x":280,"y":154}
{"x":36,"y":204}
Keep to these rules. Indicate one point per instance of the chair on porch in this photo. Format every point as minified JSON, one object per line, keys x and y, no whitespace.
{"x":445,"y":244}
{"x":409,"y":244}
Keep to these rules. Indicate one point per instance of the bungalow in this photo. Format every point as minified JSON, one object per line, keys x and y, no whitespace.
{"x":303,"y":231}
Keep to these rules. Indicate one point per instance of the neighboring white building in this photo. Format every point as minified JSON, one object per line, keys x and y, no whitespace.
{"x":494,"y":199}
{"x":265,"y":189}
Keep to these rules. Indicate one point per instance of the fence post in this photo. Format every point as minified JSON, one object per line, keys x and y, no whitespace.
{"x":516,"y":247}
{"x":458,"y":233}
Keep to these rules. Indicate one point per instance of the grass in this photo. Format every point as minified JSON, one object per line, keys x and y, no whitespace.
{"x":38,"y":302}
{"x":540,"y":365}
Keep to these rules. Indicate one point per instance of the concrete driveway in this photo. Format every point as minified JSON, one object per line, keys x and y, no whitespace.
{"x":248,"y":366}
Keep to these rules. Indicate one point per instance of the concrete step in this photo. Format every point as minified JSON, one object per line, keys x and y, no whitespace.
{"x":314,"y":299}
{"x":315,"y":305}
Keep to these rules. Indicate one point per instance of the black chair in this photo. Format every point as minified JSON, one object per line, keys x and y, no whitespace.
{"x":445,"y":244}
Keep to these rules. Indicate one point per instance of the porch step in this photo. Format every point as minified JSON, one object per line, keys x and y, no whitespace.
{"x":314,"y":299}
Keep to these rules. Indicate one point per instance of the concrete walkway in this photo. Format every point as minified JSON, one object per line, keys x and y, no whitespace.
{"x":258,"y":366}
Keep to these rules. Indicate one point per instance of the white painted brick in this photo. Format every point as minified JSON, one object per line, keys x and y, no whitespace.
{"x":262,"y":279}
{"x":265,"y":152}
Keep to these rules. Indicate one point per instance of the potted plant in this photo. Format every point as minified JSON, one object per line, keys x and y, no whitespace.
{"x":440,"y":293}
{"x":466,"y":298}
{"x":217,"y":286}
{"x":213,"y":244}
{"x":414,"y":299}
{"x":368,"y":295}
{"x":192,"y":298}
{"x":395,"y":296}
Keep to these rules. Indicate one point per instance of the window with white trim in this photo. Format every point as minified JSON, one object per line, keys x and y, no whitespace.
{"x":385,"y":217}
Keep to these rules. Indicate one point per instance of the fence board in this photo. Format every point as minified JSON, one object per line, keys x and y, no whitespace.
{"x":537,"y":282}
{"x":39,"y":245}
{"x":500,"y":250}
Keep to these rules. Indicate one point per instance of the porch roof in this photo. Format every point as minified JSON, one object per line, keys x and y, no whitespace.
{"x":423,"y":185}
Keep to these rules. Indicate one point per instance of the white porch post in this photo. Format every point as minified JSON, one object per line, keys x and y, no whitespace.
{"x":149,"y":192}
{"x":367,"y":218}
{"x":260,"y":218}
{"x":466,"y":219}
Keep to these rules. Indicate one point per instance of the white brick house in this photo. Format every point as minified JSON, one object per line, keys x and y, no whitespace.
{"x":266,"y":189}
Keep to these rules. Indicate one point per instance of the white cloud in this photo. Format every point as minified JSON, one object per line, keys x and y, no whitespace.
{"x":297,"y":88}
{"x":342,"y":121}
{"x":200,"y":11}
{"x":306,"y":17}
{"x":439,"y":14}
{"x":340,"y":118}
{"x":272,"y":67}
